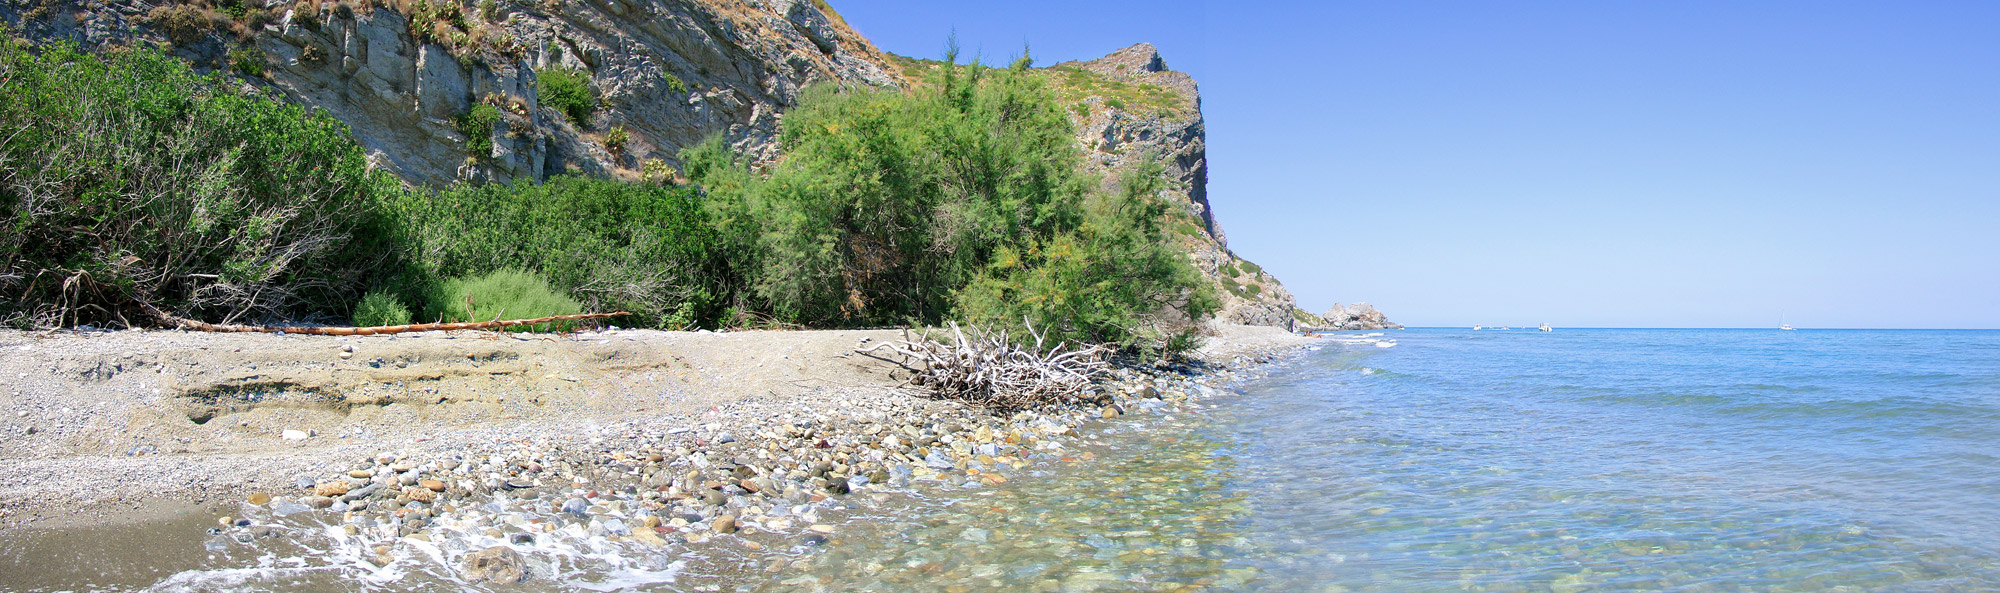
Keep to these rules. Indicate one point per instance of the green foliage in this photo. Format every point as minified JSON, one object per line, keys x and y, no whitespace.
{"x":477,"y":125}
{"x":248,"y":60}
{"x":674,"y":83}
{"x":614,"y":246}
{"x":1229,"y":270}
{"x":964,"y":198}
{"x":501,"y":295}
{"x":1249,"y":268}
{"x":131,"y":179}
{"x":489,"y":10}
{"x":616,"y":139}
{"x":380,"y":308}
{"x":234,"y":8}
{"x":1116,"y":279}
{"x":569,"y":92}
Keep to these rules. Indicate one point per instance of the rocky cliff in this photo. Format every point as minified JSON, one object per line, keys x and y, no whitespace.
{"x":405,"y":74}
{"x":409,"y":76}
{"x":1134,"y":107}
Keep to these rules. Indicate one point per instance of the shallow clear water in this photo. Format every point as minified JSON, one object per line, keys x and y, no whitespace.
{"x":1575,"y":460}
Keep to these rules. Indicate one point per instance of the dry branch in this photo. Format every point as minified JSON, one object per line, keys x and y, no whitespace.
{"x":192,"y":325}
{"x":988,"y":369}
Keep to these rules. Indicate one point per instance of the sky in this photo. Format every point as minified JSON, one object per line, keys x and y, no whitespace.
{"x":1583,"y":164}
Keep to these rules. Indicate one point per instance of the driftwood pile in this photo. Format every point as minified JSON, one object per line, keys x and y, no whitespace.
{"x":988,"y":369}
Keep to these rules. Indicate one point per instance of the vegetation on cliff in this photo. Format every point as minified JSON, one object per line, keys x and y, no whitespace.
{"x":131,"y":179}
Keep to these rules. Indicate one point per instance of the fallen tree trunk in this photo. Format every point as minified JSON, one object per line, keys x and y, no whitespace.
{"x":192,"y":325}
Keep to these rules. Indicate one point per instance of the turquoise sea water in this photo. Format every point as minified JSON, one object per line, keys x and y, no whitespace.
{"x":1455,"y":460}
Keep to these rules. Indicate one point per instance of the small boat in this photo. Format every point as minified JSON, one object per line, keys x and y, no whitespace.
{"x":1785,"y":327}
{"x":1475,"y":328}
{"x":1545,"y":327}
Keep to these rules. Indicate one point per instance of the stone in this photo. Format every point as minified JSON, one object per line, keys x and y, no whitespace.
{"x":331,"y":489}
{"x":319,"y":502}
{"x":259,"y":498}
{"x":432,"y":485}
{"x":294,"y":435}
{"x":725,"y":524}
{"x":649,"y":537}
{"x":498,"y":564}
{"x":286,"y":507}
{"x":424,"y":495}
{"x":576,"y":506}
{"x":361,"y":474}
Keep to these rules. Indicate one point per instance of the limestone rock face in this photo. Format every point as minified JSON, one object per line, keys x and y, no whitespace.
{"x":1120,"y":130}
{"x":401,"y":88}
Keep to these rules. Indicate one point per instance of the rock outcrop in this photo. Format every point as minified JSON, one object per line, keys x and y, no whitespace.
{"x":1136,"y":108}
{"x":1353,"y":317}
{"x":667,"y":73}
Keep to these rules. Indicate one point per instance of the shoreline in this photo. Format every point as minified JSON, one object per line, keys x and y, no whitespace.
{"x":653,"y":440}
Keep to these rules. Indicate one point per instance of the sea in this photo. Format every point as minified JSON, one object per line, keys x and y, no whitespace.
{"x":1691,"y":460}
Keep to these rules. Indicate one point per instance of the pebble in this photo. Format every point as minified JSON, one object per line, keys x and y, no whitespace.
{"x":432,"y":485}
{"x":725,"y":524}
{"x":294,"y":435}
{"x":258,"y":498}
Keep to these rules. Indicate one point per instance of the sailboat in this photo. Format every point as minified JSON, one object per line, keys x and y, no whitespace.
{"x":1782,"y":326}
{"x":1545,"y":327}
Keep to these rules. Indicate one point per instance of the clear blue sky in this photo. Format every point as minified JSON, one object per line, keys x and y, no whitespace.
{"x":1657,"y":164}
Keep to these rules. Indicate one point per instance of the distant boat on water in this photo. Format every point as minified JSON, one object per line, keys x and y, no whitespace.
{"x":1785,"y":326}
{"x":1475,"y":328}
{"x":1545,"y":327}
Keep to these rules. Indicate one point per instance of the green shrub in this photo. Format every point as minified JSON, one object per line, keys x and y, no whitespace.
{"x":503,"y":295}
{"x":131,"y":179}
{"x":1229,"y":270}
{"x":614,"y":246}
{"x":183,"y":24}
{"x":964,"y":198}
{"x":380,"y":308}
{"x":615,"y":140}
{"x":674,"y":84}
{"x":489,"y":10}
{"x":1115,"y":279}
{"x":248,"y":60}
{"x":569,"y":92}
{"x":477,"y":125}
{"x":1249,"y":268}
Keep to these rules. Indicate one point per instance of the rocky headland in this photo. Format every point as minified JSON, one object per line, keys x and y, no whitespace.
{"x":1358,"y":316}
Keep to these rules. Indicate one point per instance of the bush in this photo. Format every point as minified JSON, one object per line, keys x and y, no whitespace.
{"x":500,"y":295}
{"x":380,"y":308}
{"x":962,"y":198}
{"x":614,"y":246}
{"x":248,"y":60}
{"x":1249,"y":268}
{"x":569,"y":92}
{"x":674,"y":84}
{"x":477,"y":125}
{"x":615,"y":140}
{"x":183,"y":24}
{"x":131,"y":179}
